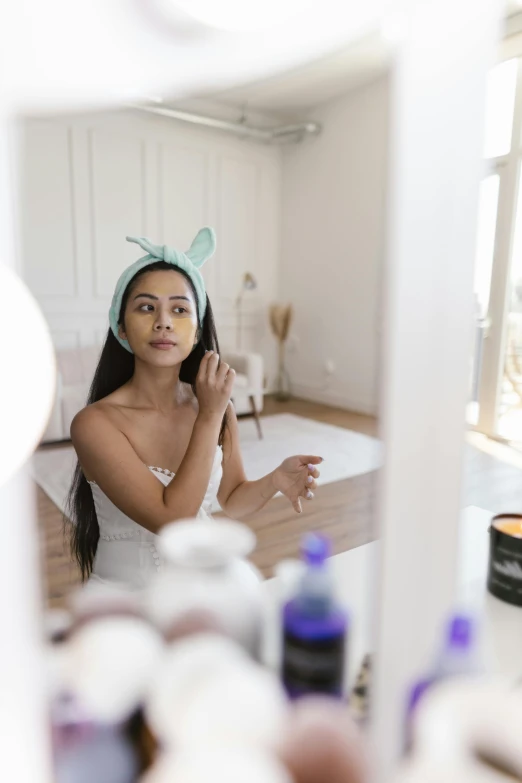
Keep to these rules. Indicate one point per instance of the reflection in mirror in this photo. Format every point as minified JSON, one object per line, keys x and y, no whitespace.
{"x":493,"y":481}
{"x":291,"y":175}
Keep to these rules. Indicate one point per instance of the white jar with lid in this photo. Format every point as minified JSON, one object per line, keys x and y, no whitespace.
{"x":206,"y":571}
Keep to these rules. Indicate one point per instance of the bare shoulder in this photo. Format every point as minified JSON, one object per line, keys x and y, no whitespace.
{"x":89,"y":420}
{"x":98,"y":440}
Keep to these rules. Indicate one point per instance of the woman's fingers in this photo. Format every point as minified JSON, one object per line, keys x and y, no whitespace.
{"x":310,"y":483}
{"x":214,"y":384}
{"x":229,"y":381}
{"x":296,"y":500}
{"x":309,"y":486}
{"x":212,"y":368}
{"x":222,"y":373}
{"x":311,"y":459}
{"x":203,"y":366}
{"x":306,"y":493}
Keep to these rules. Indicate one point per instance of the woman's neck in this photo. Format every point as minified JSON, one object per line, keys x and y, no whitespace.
{"x":156,"y":387}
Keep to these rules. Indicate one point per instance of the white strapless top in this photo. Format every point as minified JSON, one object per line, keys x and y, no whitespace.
{"x":127,"y":552}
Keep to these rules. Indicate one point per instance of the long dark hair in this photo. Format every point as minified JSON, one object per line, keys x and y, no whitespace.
{"x":115,"y":368}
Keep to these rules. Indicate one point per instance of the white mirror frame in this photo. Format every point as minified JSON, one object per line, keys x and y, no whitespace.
{"x":437,"y":109}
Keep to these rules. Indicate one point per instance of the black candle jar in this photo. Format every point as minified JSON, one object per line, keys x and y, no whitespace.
{"x":505,"y":558}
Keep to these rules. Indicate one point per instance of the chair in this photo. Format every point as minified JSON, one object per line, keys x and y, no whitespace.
{"x":249,"y":384}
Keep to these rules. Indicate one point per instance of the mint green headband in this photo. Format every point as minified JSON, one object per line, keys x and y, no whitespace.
{"x":190,"y":262}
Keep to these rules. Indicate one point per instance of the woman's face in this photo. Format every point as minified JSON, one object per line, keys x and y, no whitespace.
{"x":160,"y":319}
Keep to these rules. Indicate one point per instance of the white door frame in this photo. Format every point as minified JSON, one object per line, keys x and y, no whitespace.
{"x":495,"y":334}
{"x":438,"y":104}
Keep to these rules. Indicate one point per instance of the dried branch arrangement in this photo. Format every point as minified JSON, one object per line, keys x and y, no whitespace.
{"x":281,"y":317}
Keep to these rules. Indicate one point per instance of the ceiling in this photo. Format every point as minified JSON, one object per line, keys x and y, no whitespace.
{"x":295,"y":93}
{"x":513,"y":7}
{"x":186,"y":61}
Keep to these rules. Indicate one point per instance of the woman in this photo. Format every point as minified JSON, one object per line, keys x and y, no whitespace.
{"x":158,"y":440}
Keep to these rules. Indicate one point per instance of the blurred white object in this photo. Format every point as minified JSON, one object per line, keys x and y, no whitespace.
{"x":208,"y":692}
{"x":138,"y":51}
{"x":235,"y":15}
{"x":186,"y":666}
{"x":111,"y":662}
{"x":233,"y":765}
{"x":288,"y":572}
{"x":25,"y":400}
{"x":206,"y":570}
{"x":244,"y":706}
{"x":57,"y":624}
{"x":56,"y":671}
{"x":468,"y":731}
{"x":100,"y":599}
{"x":27,"y":396}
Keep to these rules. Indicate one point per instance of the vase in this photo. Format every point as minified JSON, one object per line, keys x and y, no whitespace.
{"x":282,"y":385}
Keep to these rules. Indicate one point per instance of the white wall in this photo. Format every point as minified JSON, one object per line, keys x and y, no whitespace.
{"x":333,"y":227}
{"x":88,"y":181}
{"x":307,"y":220}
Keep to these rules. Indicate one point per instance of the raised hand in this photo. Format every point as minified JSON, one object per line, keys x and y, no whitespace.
{"x":295,"y":478}
{"x":214,"y":385}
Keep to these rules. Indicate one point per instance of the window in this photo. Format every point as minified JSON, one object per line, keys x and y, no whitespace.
{"x":500,"y":107}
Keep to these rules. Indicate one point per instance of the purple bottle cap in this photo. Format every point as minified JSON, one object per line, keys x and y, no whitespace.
{"x":316,"y":548}
{"x":460,"y":632}
{"x":417,"y":692}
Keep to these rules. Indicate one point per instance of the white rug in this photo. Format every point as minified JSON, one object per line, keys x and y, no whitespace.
{"x":346,"y":454}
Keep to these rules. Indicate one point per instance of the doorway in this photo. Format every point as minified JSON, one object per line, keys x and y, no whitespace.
{"x":495,"y":408}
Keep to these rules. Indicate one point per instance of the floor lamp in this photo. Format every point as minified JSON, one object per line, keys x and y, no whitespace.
{"x":248,"y":283}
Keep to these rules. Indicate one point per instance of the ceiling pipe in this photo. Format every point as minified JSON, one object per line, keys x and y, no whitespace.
{"x":283,"y":133}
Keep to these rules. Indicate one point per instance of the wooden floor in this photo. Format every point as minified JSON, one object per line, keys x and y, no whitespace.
{"x":344,"y":510}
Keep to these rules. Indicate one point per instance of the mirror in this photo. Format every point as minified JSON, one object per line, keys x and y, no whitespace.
{"x":292,"y":174}
{"x":104,"y":170}
{"x":429,"y":89}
